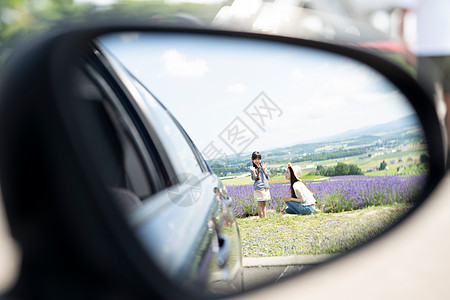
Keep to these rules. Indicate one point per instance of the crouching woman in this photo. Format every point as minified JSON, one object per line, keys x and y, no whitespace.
{"x":301,"y":200}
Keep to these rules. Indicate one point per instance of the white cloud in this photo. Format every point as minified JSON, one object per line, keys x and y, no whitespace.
{"x":237,"y":88}
{"x":296,"y":76}
{"x":177,"y":65}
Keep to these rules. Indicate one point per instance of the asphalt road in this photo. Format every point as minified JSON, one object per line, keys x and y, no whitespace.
{"x":259,"y":276}
{"x":263,"y":271}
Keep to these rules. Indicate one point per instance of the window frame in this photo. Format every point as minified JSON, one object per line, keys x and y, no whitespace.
{"x":98,"y":68}
{"x":122,"y":83}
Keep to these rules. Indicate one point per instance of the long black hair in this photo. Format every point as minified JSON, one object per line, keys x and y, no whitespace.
{"x":256,"y":155}
{"x":292,"y":180}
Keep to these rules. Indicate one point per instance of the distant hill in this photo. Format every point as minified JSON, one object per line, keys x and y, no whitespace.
{"x":394,"y":130}
{"x":389,"y":127}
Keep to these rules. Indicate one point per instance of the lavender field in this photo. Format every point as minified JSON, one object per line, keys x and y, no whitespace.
{"x":343,"y":193}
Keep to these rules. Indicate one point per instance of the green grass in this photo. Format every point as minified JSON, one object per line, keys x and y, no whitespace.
{"x":319,"y":233}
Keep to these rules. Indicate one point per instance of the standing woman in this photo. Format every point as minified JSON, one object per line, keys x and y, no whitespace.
{"x":301,"y":200}
{"x":261,"y":192}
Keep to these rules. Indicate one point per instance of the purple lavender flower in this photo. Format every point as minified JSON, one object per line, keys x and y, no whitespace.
{"x":341,"y":193}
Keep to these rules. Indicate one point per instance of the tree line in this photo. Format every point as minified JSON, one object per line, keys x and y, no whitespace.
{"x":331,"y":155}
{"x":221,"y":170}
{"x":339,"y":170}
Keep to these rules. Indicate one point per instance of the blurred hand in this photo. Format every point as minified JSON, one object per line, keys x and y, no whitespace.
{"x":252,"y":168}
{"x":264,"y":166}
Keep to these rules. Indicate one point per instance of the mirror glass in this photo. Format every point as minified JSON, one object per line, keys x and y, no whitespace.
{"x":358,"y":141}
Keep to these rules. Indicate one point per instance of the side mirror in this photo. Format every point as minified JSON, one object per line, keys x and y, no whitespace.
{"x":110,"y":135}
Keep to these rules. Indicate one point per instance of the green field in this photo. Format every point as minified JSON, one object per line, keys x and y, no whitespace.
{"x":367,"y":163}
{"x":403,"y":162}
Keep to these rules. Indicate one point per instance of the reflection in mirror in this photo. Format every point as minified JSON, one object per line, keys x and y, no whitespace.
{"x":359,"y":143}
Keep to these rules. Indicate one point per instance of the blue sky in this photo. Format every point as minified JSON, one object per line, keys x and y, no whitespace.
{"x":281,"y":94}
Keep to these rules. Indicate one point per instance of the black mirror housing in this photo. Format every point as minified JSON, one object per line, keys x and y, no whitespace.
{"x":57,"y":204}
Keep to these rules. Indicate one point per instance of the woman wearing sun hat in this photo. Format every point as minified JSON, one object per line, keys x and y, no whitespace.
{"x":301,"y":200}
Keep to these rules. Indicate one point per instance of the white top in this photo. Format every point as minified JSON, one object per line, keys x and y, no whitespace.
{"x":299,"y":187}
{"x":433,"y":26}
